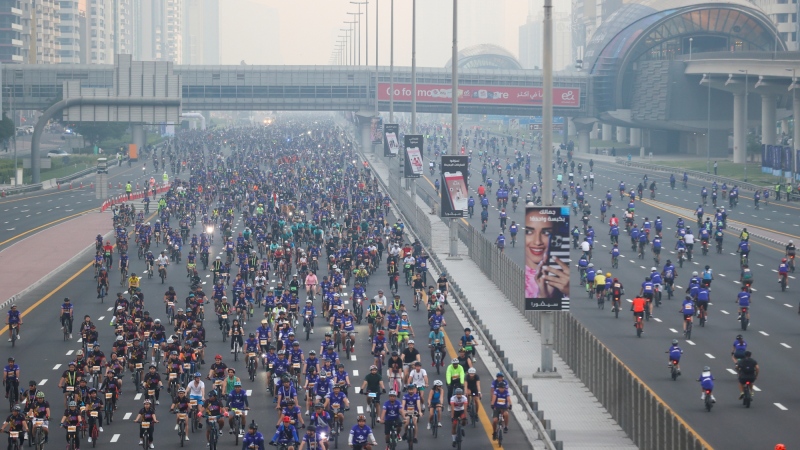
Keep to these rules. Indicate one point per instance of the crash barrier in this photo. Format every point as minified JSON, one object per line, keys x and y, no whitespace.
{"x":122,"y":198}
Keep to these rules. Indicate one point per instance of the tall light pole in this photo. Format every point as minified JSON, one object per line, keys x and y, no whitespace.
{"x":547,"y":104}
{"x":357,"y":36}
{"x":352,"y":41}
{"x":391,"y":63}
{"x":690,"y":48}
{"x":708,"y":132}
{"x":746,"y":87}
{"x":376,"y":57}
{"x":413,"y":81}
{"x":366,"y":27}
{"x":454,"y":121}
{"x":347,"y":44}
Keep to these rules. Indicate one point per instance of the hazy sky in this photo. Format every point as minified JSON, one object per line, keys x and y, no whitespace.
{"x":305,"y":31}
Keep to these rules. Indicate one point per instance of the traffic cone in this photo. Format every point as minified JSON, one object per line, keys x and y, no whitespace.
{"x":119,"y":185}
{"x":59,"y":186}
{"x":70,"y":184}
{"x":109,"y":185}
{"x":81,"y":184}
{"x":137,"y":185}
{"x":91,"y":186}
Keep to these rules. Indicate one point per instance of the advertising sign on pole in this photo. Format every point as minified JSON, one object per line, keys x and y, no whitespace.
{"x":412,"y":144}
{"x":547,"y":265}
{"x":391,"y":139}
{"x":376,"y":130}
{"x":454,"y":188}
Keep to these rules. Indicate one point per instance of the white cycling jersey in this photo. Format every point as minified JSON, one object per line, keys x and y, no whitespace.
{"x":162,"y":261}
{"x":418,"y":378}
{"x":196,"y":389}
{"x":459,"y":402}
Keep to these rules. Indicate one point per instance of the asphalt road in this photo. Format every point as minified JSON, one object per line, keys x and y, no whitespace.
{"x":43,"y":355}
{"x":772,"y":335}
{"x":24,"y":214}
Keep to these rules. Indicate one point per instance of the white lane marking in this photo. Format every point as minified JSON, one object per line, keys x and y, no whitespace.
{"x":781,"y":407}
{"x":249,"y":392}
{"x":723,"y":311}
{"x":56,"y":366}
{"x":127,"y":416}
{"x":710,"y":355}
{"x":657,"y":319}
{"x":360,"y":409}
{"x":43,"y":382}
{"x":110,"y":308}
{"x":352,"y":357}
{"x":771,"y":297}
{"x":80,"y":339}
{"x":673,"y":330}
{"x":355,"y":373}
{"x":690,"y":343}
{"x":138,"y":396}
{"x":731,"y":371}
{"x":759,"y":265}
{"x":358,"y":389}
{"x":70,"y":352}
{"x":114,"y":438}
{"x":755,"y":388}
{"x":101,"y":317}
{"x":764,"y":333}
{"x":786,"y":345}
{"x":788,"y":305}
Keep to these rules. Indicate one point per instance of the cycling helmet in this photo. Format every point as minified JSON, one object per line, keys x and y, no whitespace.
{"x":783,"y":260}
{"x":72,"y":404}
{"x":780,"y":447}
{"x":181,"y":390}
{"x":706,"y":369}
{"x":591,"y":264}
{"x":157,"y":321}
{"x":437,"y":383}
{"x":472,"y":370}
{"x":120,"y":338}
{"x":361,"y":418}
{"x":653,"y":269}
{"x":312,"y":352}
{"x":310,"y":428}
{"x":393,"y":392}
{"x":198,"y":374}
{"x":454,"y":361}
{"x":674,"y":342}
{"x":252,"y":335}
{"x":213,"y":393}
{"x":739,"y":336}
{"x":40,"y":394}
{"x":79,"y":352}
{"x":147,"y":402}
{"x":694,"y":274}
{"x":237,"y":384}
{"x":459,"y":391}
{"x":373,"y":367}
{"x":18,"y":409}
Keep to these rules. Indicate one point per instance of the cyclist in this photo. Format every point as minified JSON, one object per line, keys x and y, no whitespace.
{"x":286,"y":434}
{"x":647,"y":291}
{"x":748,"y":371}
{"x":687,"y":309}
{"x":361,"y":436}
{"x":73,"y":417}
{"x":675,"y":353}
{"x":16,"y":422}
{"x":501,"y":242}
{"x":743,"y":299}
{"x":501,"y":402}
{"x":703,"y":298}
{"x":147,"y":414}
{"x":790,"y":253}
{"x":458,"y":411}
{"x":13,"y":318}
{"x":435,"y":402}
{"x":637,"y":307}
{"x":254,"y":439}
{"x":391,"y":415}
{"x":708,"y":276}
{"x":783,"y":272}
{"x":739,"y":347}
{"x":706,"y":383}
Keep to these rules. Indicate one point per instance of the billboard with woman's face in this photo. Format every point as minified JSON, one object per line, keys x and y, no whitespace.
{"x":546,"y":256}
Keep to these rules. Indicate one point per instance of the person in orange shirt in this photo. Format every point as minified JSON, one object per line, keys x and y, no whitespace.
{"x":481,"y":191}
{"x":638,"y":308}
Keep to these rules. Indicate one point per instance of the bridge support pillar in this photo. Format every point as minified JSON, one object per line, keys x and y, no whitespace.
{"x":636,"y":137}
{"x":785,"y":127}
{"x":739,"y":129}
{"x":606,"y":130}
{"x":138,"y":136}
{"x":583,"y":141}
{"x":366,"y":138}
{"x":622,"y":135}
{"x":796,"y":114}
{"x":768,"y":110}
{"x":595,"y":131}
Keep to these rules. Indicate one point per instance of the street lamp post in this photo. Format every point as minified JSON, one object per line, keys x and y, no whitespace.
{"x":366,"y":27}
{"x":411,"y":183}
{"x":352,"y":41}
{"x":708,"y":131}
{"x":356,"y":36}
{"x":746,"y":87}
{"x":690,"y":48}
{"x":346,"y":44}
{"x":376,"y":57}
{"x":454,"y":121}
{"x":391,"y":63}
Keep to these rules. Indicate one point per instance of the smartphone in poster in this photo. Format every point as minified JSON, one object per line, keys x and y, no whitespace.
{"x":455,"y":190}
{"x":376,"y":130}
{"x":391,"y":143}
{"x":413,"y":154}
{"x":547,"y":263}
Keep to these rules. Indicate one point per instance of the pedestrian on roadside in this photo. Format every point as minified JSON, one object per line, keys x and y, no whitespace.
{"x":715,"y":167}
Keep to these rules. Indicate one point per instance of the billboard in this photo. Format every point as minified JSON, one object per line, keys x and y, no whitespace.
{"x":376,"y":130}
{"x":412,"y":148}
{"x":777,"y":159}
{"x":487,"y":95}
{"x":787,"y":161}
{"x":547,"y":258}
{"x":766,"y":162}
{"x":454,"y":188}
{"x":391,"y":139}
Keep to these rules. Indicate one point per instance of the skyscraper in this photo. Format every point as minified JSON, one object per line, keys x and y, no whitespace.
{"x":70,"y":36}
{"x":157,"y":28}
{"x":784,"y":14}
{"x":201,"y":32}
{"x":10,"y":32}
{"x":530,"y":42}
{"x":40,"y":31}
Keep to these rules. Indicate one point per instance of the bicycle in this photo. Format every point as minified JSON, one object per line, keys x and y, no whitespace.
{"x":708,"y":402}
{"x":687,"y":333}
{"x":701,"y":315}
{"x":108,"y":408}
{"x":472,"y":411}
{"x":94,"y":431}
{"x":372,"y":405}
{"x":615,"y":262}
{"x":14,"y":334}
{"x":438,"y":358}
{"x":744,"y":319}
{"x":182,"y":417}
{"x":411,"y":429}
{"x":748,"y":394}
{"x":500,"y":427}
{"x":238,"y":423}
{"x":639,"y":324}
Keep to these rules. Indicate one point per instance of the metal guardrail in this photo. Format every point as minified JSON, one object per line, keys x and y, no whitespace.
{"x":76,"y":175}
{"x":691,"y":173}
{"x":21,"y":189}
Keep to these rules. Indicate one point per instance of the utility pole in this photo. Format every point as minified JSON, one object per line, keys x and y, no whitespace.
{"x":454,"y":122}
{"x":411,"y":183}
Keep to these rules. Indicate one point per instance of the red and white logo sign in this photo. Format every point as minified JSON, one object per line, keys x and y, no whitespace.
{"x":489,"y":95}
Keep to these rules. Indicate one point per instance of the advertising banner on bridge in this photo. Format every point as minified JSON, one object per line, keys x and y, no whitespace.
{"x":376,"y":130}
{"x":412,"y":148}
{"x":546,"y":258}
{"x":454,"y":188}
{"x":391,"y":139}
{"x":488,"y":95}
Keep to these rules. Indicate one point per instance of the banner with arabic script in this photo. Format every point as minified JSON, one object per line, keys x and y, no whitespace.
{"x":489,"y":95}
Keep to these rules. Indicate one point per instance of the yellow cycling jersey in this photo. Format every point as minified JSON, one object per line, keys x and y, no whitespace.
{"x":133,"y":282}
{"x":599,"y":280}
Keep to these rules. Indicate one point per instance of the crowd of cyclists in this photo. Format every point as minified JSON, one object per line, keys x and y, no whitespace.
{"x":316,"y":232}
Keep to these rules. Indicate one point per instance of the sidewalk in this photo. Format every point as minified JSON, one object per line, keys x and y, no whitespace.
{"x":577,"y":417}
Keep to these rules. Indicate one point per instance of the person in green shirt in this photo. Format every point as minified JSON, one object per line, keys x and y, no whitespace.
{"x":454,"y":376}
{"x":777,"y":192}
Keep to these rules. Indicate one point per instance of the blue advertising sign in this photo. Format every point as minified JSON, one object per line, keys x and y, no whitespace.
{"x":765,"y":161}
{"x":787,"y":161}
{"x":777,"y":158}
